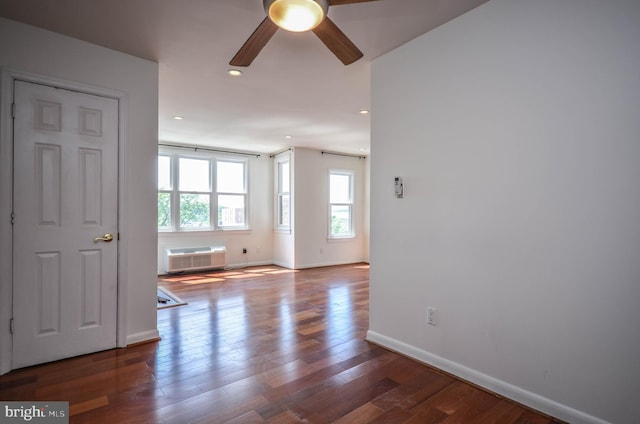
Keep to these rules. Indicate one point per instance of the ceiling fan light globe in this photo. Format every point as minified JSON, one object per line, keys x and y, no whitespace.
{"x":296,"y":15}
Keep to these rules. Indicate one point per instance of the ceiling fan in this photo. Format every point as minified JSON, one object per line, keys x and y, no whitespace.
{"x":299,"y":16}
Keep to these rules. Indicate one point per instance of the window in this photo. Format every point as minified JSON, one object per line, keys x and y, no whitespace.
{"x":341,"y":204}
{"x":283,"y":193}
{"x":194,"y":176}
{"x":164,"y":192}
{"x":232,"y":194}
{"x":200,"y":192}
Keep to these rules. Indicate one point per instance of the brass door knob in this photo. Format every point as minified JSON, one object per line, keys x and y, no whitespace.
{"x":107,"y":237}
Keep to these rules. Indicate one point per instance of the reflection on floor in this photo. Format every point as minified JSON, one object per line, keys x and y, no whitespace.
{"x":261,"y":345}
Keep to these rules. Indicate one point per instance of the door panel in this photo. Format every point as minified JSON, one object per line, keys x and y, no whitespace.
{"x":48,"y":293}
{"x":65,"y":199}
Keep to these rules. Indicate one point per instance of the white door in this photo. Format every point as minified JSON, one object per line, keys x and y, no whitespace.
{"x":65,"y":199}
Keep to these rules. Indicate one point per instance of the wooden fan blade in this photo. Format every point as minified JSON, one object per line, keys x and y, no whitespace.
{"x":339,"y":2}
{"x":337,"y":41}
{"x":250,"y":49}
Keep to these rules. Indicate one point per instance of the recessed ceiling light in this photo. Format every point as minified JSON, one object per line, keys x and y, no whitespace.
{"x":364,"y":112}
{"x":234,"y":72}
{"x":178,"y":118}
{"x":288,"y":136}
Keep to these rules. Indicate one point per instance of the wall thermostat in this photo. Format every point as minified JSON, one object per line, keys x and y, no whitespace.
{"x":398,"y":187}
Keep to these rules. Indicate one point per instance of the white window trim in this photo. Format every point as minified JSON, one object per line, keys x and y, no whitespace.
{"x":170,"y":191}
{"x":352,"y":226}
{"x":175,"y":154}
{"x":278,"y":160}
{"x":245,"y":162}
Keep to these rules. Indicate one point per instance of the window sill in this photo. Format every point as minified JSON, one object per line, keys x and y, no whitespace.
{"x":341,"y":239}
{"x":202,"y":232}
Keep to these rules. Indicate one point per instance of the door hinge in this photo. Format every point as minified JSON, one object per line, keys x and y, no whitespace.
{"x":13,"y":110}
{"x":13,"y":217}
{"x":11,"y":325}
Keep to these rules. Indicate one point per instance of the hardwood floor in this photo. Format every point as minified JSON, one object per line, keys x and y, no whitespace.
{"x":262,"y":345}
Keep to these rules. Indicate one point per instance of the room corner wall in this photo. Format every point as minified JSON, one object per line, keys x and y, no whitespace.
{"x":311,"y":210}
{"x":515,"y":128}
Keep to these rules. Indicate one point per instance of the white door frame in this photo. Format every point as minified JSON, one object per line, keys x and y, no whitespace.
{"x":7,"y":78}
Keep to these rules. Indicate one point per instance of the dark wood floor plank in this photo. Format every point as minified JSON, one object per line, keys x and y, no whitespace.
{"x":328,"y":405}
{"x":362,"y":415}
{"x":426,"y":415}
{"x":530,"y":417}
{"x":393,"y":415}
{"x":424,"y":384}
{"x":503,"y":412}
{"x":261,"y":345}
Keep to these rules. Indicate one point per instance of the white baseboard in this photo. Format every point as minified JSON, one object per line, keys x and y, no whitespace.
{"x":227,"y":267}
{"x":288,"y":265}
{"x":143,"y":337}
{"x":314,"y":265}
{"x":325,"y":264}
{"x":248,"y":264}
{"x":502,"y":388}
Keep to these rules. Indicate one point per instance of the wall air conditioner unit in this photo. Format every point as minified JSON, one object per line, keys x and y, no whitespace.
{"x":195,"y":259}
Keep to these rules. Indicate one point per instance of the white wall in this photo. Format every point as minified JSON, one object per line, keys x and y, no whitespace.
{"x":516,"y":130}
{"x":311,"y":210}
{"x":258,"y":240}
{"x":28,"y":49}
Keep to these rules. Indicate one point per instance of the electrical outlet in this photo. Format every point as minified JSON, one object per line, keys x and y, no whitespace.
{"x":432,"y":316}
{"x":244,"y":250}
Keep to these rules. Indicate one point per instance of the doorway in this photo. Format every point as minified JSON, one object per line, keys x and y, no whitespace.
{"x":64,"y":283}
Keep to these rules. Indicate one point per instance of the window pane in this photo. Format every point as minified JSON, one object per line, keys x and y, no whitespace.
{"x":194,"y":175}
{"x":340,"y":220}
{"x":230,"y":177}
{"x":164,"y":210}
{"x":231,"y":210}
{"x":283,"y":173}
{"x":164,"y":173}
{"x":339,"y":188}
{"x":283,"y":210}
{"x":194,"y":210}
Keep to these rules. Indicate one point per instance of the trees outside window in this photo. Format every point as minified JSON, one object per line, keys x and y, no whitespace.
{"x":341,"y":204}
{"x":194,"y":182}
{"x":187,"y":199}
{"x":232,"y":194}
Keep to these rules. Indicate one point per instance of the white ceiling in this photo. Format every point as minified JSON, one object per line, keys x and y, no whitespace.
{"x":295,"y":87}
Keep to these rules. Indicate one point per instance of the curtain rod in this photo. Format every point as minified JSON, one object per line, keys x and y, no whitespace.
{"x":279,"y":153}
{"x":195,"y":149}
{"x":343,"y":154}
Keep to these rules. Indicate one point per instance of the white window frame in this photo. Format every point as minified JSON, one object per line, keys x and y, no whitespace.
{"x":350,"y":204}
{"x":169,"y":191}
{"x":175,"y":155}
{"x":177,"y":193}
{"x":244,"y":193}
{"x":281,"y":192}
